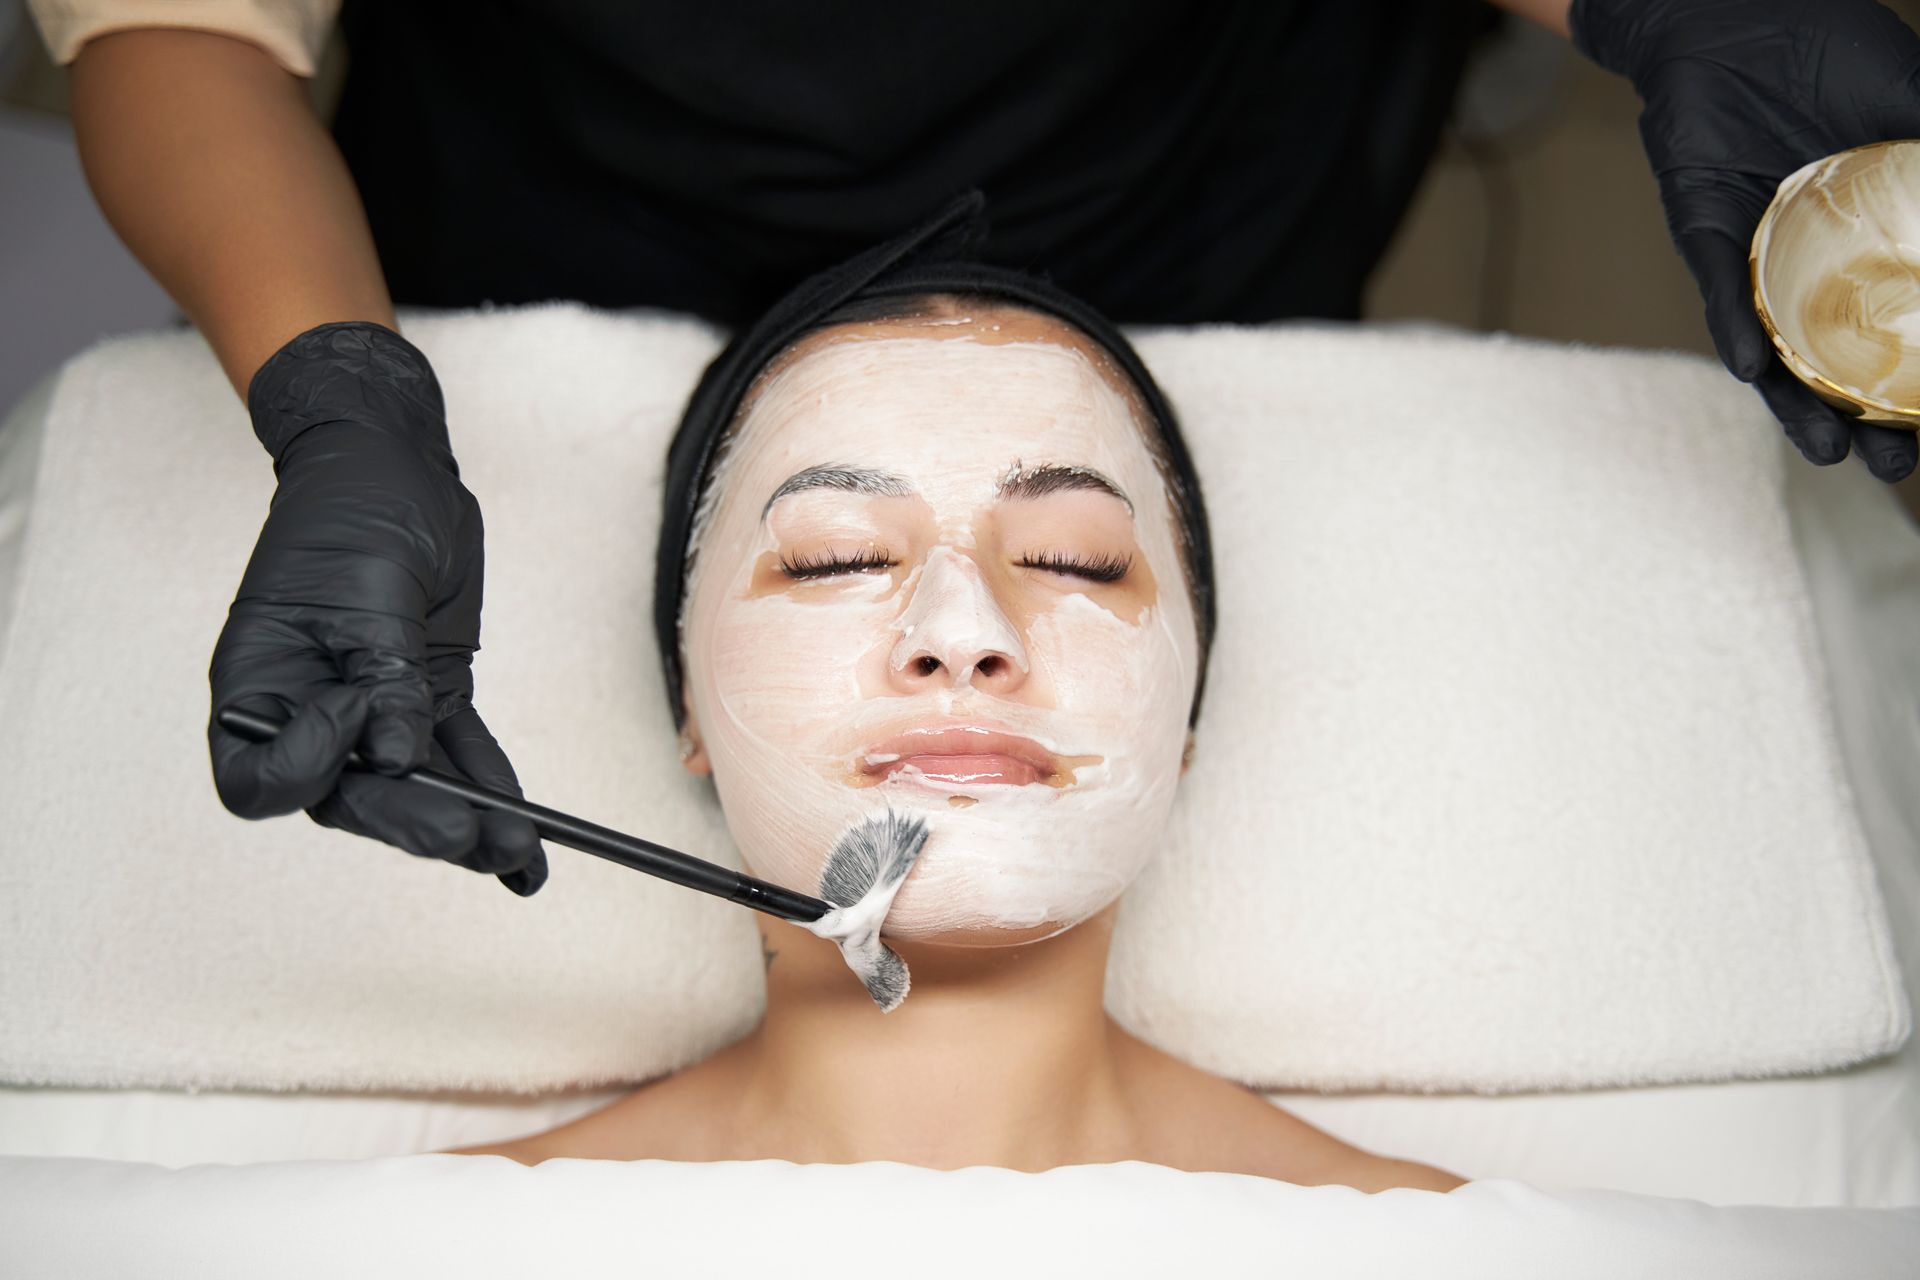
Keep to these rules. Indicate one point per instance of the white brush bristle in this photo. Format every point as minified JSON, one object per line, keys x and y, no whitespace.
{"x":865,"y":870}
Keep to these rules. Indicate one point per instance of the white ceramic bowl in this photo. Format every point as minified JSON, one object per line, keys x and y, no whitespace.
{"x":1836,"y":279}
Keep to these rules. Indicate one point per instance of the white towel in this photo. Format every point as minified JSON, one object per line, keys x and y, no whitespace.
{"x":1518,"y":769}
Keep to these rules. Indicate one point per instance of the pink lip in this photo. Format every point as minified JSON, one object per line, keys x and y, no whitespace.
{"x":963,"y":754}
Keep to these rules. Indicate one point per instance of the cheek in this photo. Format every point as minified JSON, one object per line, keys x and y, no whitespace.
{"x":785,"y":671}
{"x":771,"y":686}
{"x":1119,"y":684}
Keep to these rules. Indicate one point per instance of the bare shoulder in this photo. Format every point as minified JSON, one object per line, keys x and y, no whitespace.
{"x":1372,"y":1173}
{"x":1205,"y":1123}
{"x":677,"y":1117}
{"x":530,"y":1150}
{"x":582,"y":1136}
{"x":1311,"y":1157}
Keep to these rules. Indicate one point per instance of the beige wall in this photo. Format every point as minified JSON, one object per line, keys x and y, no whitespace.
{"x":1572,"y":206}
{"x":1590,"y":257}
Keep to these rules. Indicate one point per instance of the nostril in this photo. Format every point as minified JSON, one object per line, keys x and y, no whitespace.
{"x":928,"y":665}
{"x":987,"y":665}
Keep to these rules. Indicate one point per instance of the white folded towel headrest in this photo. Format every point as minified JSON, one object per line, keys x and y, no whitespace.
{"x":1518,"y":768}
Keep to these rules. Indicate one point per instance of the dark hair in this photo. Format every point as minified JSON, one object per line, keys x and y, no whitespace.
{"x":901,"y":279}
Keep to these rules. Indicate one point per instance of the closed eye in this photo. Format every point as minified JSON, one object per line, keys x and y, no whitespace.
{"x":827,"y":564}
{"x":1093,"y":568}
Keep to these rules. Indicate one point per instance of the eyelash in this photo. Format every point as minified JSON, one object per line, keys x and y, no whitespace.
{"x":1098,"y":568}
{"x":826,"y":565}
{"x":1095,"y":569}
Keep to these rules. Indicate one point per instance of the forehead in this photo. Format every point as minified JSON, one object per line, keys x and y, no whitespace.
{"x":992,"y":324}
{"x":944,"y":394}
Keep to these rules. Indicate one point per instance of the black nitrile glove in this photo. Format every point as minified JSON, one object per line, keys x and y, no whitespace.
{"x":1737,"y":95}
{"x":359,"y":613}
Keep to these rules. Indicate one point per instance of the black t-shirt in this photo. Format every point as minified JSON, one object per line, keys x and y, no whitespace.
{"x":1170,"y":162}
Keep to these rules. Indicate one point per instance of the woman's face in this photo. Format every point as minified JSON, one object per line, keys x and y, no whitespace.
{"x":940,"y":575}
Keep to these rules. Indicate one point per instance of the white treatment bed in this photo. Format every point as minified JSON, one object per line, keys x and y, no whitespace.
{"x":228,"y":1107}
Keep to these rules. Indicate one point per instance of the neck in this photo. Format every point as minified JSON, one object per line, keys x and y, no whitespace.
{"x":1000,"y":1056}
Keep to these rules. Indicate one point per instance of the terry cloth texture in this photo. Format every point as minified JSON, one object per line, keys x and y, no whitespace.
{"x":1518,"y":771}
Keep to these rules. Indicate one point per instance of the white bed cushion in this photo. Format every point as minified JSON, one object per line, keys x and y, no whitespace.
{"x":486,"y":1216}
{"x":1848,"y":1137}
{"x":1556,"y":798}
{"x":21,"y":429}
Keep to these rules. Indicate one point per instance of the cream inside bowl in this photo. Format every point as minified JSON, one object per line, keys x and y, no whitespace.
{"x":1836,"y":276}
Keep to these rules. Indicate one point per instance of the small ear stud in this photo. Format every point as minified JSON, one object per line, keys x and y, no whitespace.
{"x":686,"y":748}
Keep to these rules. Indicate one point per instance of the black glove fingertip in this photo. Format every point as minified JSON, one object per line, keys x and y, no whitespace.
{"x":1719,"y":265}
{"x":1817,"y":445}
{"x":450,"y":835}
{"x":1738,"y":337}
{"x":1752,"y":349}
{"x":1893,"y":466}
{"x":1814,"y":428}
{"x":507,"y":842}
{"x":393,"y":747}
{"x":1889,"y":452}
{"x":527,"y":881}
{"x":333,"y":721}
{"x":346,"y":706}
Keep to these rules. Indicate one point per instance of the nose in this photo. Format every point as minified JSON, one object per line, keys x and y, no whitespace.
{"x":953,"y":630}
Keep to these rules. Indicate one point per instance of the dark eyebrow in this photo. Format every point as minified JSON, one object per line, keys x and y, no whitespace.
{"x":833,"y":475}
{"x":1032,"y":482}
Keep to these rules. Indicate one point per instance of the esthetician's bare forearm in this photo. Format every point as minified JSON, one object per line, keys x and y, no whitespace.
{"x":1551,"y":14}
{"x":210,"y":164}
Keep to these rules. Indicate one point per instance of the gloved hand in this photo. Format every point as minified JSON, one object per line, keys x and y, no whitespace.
{"x":359,"y":612}
{"x":1738,"y":94}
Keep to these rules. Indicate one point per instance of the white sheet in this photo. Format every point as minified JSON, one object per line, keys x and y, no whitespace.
{"x":486,"y":1216}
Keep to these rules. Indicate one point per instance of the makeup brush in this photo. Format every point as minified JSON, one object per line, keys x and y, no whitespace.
{"x":863,"y":873}
{"x":576,"y":833}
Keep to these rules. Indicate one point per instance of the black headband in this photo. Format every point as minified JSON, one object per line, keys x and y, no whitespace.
{"x":938,"y":256}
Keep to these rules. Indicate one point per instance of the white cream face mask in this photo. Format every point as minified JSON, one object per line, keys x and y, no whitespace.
{"x":797,"y":685}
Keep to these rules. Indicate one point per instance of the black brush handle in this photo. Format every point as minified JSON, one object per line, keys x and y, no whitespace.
{"x":576,"y":833}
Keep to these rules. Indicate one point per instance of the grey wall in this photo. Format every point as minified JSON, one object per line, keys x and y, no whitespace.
{"x":65,"y":279}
